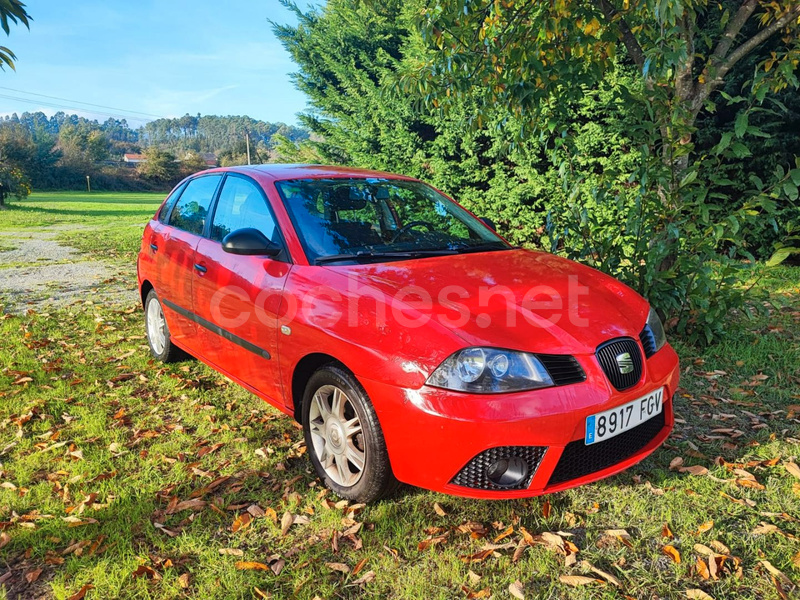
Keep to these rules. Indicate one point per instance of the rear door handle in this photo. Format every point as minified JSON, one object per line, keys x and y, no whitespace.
{"x":154,"y":247}
{"x":200,"y":268}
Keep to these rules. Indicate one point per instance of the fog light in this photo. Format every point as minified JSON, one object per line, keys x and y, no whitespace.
{"x":507,"y":472}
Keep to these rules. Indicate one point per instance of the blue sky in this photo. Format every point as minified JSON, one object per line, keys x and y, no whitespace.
{"x":164,"y":58}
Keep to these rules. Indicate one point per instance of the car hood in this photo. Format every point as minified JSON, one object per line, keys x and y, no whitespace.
{"x":515,"y":299}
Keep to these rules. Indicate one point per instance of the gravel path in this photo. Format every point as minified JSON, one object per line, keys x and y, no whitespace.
{"x":40,"y":272}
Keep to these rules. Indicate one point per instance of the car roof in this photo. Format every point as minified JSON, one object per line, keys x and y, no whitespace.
{"x":277,"y":172}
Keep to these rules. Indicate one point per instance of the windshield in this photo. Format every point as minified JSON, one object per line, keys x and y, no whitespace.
{"x":380,"y":219}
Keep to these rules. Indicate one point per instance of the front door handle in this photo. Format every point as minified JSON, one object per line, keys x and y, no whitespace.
{"x":200,"y":268}
{"x":154,"y":247}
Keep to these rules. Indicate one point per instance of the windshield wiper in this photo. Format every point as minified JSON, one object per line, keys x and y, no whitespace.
{"x":482,"y":247}
{"x":366,"y":255}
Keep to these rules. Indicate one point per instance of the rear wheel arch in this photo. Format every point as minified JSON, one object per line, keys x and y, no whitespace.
{"x":144,"y":290}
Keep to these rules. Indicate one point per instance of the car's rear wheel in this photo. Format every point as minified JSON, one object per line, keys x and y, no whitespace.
{"x":344,"y":438}
{"x":157,"y":331}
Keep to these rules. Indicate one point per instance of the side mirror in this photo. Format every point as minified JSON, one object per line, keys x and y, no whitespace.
{"x":250,"y":242}
{"x":489,"y":223}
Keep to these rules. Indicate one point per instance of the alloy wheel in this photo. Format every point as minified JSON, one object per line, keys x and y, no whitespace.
{"x":156,"y":327}
{"x":336,"y":435}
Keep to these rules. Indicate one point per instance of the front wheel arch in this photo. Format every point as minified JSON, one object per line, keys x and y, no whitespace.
{"x":303,"y":371}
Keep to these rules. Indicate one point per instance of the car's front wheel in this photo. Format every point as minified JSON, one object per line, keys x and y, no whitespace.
{"x":344,"y":438}
{"x":157,"y":331}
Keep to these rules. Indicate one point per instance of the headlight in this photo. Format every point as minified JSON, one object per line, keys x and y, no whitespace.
{"x":656,"y":329}
{"x":490,"y":370}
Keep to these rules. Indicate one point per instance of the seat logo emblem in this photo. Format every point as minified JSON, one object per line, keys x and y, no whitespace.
{"x":625,"y":363}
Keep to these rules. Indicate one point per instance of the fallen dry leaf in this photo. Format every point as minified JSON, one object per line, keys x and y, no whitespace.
{"x":705,"y":526}
{"x":231,"y":552}
{"x":366,"y":578}
{"x":183,"y":580}
{"x":776,"y":572}
{"x":242,"y":521}
{"x":478,"y":556}
{"x":577,"y":580}
{"x":515,"y":589}
{"x":341,"y":567}
{"x":666,"y":531}
{"x":672,"y":552}
{"x":193,"y":504}
{"x":698,"y":595}
{"x":359,"y":566}
{"x":251,"y":566}
{"x":439,"y":510}
{"x":694,"y":470}
{"x":81,"y":593}
{"x":765,"y":528}
{"x":432,"y":541}
{"x":792,"y":468}
{"x":286,"y":522}
{"x":607,"y":576}
{"x":701,"y":568}
{"x":720,"y":547}
{"x":277,"y":565}
{"x":479,"y":595}
{"x":749,"y":483}
{"x":505,"y":534}
{"x":145,"y":571}
{"x":32,"y":576}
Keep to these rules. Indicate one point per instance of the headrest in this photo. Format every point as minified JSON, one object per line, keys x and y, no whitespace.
{"x":346,"y":198}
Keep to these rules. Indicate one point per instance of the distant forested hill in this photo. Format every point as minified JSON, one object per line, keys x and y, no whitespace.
{"x":59,"y":151}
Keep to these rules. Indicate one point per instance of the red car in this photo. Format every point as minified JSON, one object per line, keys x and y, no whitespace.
{"x":412,"y":342}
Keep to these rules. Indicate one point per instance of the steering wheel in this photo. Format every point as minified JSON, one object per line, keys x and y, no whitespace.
{"x":409,"y":226}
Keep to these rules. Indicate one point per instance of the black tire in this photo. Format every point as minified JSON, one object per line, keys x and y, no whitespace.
{"x":377,"y":479}
{"x":170,"y":352}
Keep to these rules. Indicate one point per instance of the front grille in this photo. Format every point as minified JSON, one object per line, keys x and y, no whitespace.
{"x":648,"y":341}
{"x":563,"y":368}
{"x":474,"y":474}
{"x":608,"y":355}
{"x":579,"y":459}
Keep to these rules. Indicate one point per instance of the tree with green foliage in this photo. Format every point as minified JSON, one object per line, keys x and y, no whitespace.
{"x":159,"y":166}
{"x":672,"y":231}
{"x":13,"y":182}
{"x":524,"y":54}
{"x":14,"y":11}
{"x":191,"y":163}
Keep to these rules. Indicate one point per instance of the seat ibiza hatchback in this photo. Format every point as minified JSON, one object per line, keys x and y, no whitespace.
{"x":411,"y":341}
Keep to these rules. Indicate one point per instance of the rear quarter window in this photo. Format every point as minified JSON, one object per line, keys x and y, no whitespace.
{"x":166,"y":208}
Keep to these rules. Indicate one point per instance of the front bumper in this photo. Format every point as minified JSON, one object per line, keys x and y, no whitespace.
{"x":432,"y":434}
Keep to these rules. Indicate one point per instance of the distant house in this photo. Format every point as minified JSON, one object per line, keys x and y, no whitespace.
{"x":210,"y":159}
{"x":133,"y":159}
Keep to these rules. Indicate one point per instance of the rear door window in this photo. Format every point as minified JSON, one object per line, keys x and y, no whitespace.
{"x":191,"y":209}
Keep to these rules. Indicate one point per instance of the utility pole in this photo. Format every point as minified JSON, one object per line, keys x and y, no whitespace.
{"x":247,"y":140}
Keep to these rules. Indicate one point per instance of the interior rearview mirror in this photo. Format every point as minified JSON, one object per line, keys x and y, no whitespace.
{"x":249,"y":242}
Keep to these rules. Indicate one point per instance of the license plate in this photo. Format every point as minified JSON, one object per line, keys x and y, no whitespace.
{"x":607,"y":424}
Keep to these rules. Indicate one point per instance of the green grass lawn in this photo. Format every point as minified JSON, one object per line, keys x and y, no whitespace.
{"x":136,"y":478}
{"x":115,"y":220}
